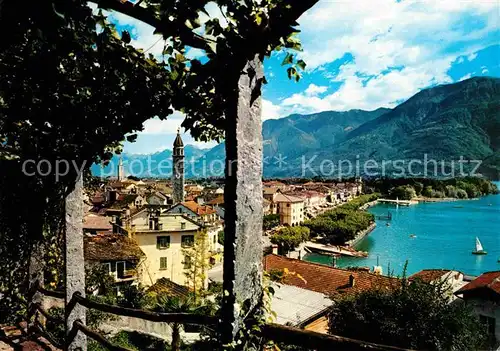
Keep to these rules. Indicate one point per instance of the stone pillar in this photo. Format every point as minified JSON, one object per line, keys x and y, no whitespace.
{"x":243,"y":200}
{"x":35,"y":269}
{"x":75,"y":263}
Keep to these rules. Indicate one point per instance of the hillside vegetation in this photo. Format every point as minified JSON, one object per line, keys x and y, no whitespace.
{"x":442,"y":123}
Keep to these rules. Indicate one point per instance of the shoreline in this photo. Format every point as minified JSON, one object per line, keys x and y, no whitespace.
{"x":361,"y":235}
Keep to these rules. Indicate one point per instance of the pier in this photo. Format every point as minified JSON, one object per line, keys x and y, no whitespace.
{"x":334,"y":250}
{"x":386,"y":217}
{"x":398,"y":202}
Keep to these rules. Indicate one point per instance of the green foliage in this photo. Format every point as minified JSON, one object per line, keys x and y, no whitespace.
{"x":403,"y":192}
{"x":412,"y":315}
{"x":341,"y":224}
{"x":459,"y":188}
{"x":270,"y":221}
{"x":134,"y":296}
{"x":133,"y":341}
{"x":288,"y":238}
{"x":196,"y":263}
{"x":220,"y":237}
{"x":176,"y":304}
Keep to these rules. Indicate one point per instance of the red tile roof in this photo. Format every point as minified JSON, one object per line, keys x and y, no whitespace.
{"x":94,"y":222}
{"x":219,"y":200}
{"x":429,"y":275}
{"x":200,"y":210}
{"x":487,"y":281}
{"x":287,"y":198}
{"x":111,"y":247}
{"x":325,"y":279}
{"x":166,"y":286}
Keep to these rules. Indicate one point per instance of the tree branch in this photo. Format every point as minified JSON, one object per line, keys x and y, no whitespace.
{"x":147,"y":16}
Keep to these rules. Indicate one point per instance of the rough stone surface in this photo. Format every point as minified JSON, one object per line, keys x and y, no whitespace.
{"x":35,"y":276}
{"x":243,"y":199}
{"x":75,"y":271}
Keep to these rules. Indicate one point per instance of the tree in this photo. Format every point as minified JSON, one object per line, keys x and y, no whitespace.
{"x":133,"y":296}
{"x":176,"y":304}
{"x":196,"y":263}
{"x":427,"y":192}
{"x":270,"y":221}
{"x":68,"y":94}
{"x":289,"y":238}
{"x":403,"y":192}
{"x":413,"y":315}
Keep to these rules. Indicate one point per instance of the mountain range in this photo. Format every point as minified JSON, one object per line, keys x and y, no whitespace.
{"x":445,"y":123}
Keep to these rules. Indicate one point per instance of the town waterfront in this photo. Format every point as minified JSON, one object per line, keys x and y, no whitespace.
{"x":444,"y":233}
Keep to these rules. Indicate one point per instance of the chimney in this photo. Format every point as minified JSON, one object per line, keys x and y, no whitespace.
{"x":275,"y":249}
{"x":352,"y":281}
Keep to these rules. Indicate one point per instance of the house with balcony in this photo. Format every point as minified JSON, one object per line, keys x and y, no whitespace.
{"x":162,"y":236}
{"x":205,"y":215}
{"x":451,"y":280}
{"x":483,"y":296}
{"x":121,"y":257}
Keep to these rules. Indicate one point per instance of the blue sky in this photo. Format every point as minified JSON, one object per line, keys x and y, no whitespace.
{"x":360,"y":55}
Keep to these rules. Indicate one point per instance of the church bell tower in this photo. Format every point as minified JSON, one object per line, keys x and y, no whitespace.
{"x":178,"y":169}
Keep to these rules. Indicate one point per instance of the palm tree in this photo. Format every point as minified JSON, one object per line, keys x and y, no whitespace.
{"x":176,"y":304}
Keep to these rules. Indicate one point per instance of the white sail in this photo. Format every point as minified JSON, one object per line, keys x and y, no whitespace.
{"x":479,"y":247}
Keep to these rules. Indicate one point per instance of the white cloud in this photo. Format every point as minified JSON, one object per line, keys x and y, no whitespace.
{"x":484,"y":70}
{"x":467,"y":76}
{"x":313,"y":90}
{"x":397,"y":48}
{"x":382,"y":90}
{"x":383,"y":33}
{"x":472,"y":56}
{"x":270,"y":110}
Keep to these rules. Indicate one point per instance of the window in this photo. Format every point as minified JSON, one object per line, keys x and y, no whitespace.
{"x":163,"y":263}
{"x":107,"y":267}
{"x":183,"y":225}
{"x":187,"y":262}
{"x":162,"y":242}
{"x":187,"y":240}
{"x":489,"y":323}
{"x":214,"y":239}
{"x":120,"y":269}
{"x":287,"y":205}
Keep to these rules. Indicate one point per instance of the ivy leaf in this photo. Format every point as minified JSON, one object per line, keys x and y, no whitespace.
{"x":213,"y":46}
{"x":168,"y":50}
{"x":301,"y":64}
{"x":288,"y":59}
{"x":57,"y":13}
{"x":291,"y":71}
{"x":131,"y":138}
{"x":126,"y":37}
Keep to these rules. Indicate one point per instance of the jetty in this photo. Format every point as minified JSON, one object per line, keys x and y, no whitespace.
{"x":386,"y":217}
{"x":334,"y":250}
{"x":398,"y":202}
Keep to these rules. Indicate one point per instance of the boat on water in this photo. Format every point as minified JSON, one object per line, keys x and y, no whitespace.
{"x":413,"y":236}
{"x":388,"y":224}
{"x":479,"y":248}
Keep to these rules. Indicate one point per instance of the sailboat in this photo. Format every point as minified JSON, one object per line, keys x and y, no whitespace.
{"x":479,"y":248}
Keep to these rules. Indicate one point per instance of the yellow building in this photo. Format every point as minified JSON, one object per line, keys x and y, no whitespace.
{"x":290,"y":209}
{"x":162,"y":236}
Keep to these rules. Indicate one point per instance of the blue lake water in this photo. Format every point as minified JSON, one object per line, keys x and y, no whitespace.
{"x":445,"y":237}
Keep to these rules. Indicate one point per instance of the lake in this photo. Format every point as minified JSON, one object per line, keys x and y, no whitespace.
{"x":445,"y":237}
